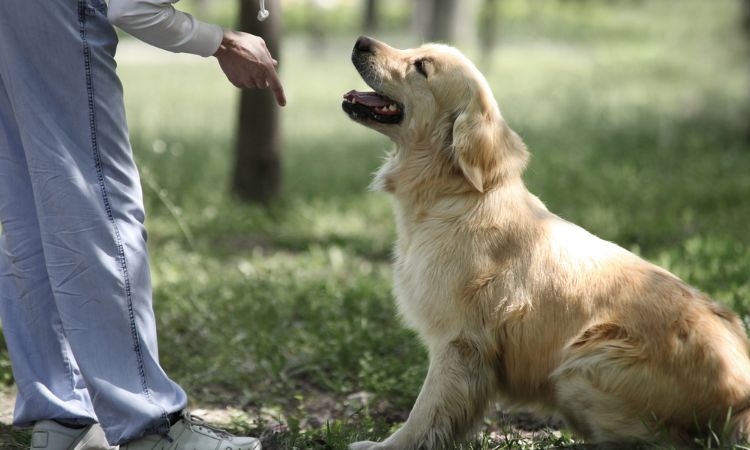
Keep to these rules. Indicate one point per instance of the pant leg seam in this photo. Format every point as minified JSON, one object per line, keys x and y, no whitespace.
{"x":82,"y":11}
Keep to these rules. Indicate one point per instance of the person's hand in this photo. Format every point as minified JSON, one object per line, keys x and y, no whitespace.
{"x":246,"y":61}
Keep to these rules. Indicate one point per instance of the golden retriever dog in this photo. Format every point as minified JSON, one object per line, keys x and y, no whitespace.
{"x":514,"y":303}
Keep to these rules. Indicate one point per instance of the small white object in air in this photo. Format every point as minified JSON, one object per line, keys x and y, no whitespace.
{"x":263,"y":13}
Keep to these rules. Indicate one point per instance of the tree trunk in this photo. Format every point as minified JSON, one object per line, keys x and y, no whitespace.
{"x":435,"y":20}
{"x":371,"y":16}
{"x":420,"y":18}
{"x":257,"y":167}
{"x":488,"y":23}
{"x":442,"y":27}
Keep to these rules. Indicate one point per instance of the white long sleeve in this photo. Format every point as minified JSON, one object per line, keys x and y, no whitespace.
{"x":158,"y":23}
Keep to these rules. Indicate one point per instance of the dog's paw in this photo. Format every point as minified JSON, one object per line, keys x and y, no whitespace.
{"x":365,"y":445}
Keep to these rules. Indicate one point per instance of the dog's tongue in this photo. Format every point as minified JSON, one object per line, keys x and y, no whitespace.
{"x":370,"y":99}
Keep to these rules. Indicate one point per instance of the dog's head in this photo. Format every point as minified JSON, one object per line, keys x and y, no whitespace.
{"x":435,"y":104}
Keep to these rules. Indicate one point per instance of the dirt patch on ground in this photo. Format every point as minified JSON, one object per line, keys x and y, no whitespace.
{"x":7,"y":400}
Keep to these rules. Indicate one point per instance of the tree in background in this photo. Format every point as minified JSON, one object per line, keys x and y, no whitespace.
{"x":370,"y":24}
{"x":443,"y":24}
{"x":448,"y":21}
{"x":488,"y":20}
{"x":257,"y":166}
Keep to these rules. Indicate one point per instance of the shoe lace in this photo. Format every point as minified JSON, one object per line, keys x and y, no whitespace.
{"x":196,"y":423}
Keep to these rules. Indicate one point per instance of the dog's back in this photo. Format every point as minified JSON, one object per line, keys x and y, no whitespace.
{"x":637,"y":353}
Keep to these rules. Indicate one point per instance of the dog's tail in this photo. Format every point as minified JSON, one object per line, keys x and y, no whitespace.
{"x":739,"y":426}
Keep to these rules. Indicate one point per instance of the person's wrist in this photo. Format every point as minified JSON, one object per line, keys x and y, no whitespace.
{"x":227,"y":41}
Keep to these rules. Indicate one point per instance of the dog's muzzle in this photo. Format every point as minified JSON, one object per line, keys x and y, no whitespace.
{"x":364,"y":106}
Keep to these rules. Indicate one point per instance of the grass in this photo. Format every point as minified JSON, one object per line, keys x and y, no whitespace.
{"x":636,"y":115}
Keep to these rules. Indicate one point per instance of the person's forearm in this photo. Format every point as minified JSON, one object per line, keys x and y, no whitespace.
{"x":158,"y":23}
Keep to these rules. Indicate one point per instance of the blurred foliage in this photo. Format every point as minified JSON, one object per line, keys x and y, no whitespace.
{"x":635,"y":113}
{"x":330,"y":17}
{"x":6,"y":373}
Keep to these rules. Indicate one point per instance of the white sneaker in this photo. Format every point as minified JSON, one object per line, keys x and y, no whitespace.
{"x":192,"y":433}
{"x":50,"y":435}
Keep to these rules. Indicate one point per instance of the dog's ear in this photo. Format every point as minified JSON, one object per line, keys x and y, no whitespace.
{"x":475,"y":137}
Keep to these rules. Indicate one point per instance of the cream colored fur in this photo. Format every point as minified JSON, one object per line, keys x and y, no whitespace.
{"x":515,"y":303}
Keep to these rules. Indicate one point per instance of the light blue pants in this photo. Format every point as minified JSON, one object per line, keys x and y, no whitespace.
{"x":75,"y":289}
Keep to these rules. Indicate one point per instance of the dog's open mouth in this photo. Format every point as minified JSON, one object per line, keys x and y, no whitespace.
{"x":361,"y":106}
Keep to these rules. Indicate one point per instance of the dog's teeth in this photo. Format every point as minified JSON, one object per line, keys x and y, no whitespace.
{"x":392,"y":107}
{"x":354,"y":101}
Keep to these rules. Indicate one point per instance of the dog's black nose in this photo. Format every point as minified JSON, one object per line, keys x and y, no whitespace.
{"x":364,"y":45}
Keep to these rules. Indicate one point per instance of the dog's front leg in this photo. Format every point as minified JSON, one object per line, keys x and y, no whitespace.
{"x":453,"y":398}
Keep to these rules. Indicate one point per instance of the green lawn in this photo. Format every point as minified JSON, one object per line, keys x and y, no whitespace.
{"x":635,"y":112}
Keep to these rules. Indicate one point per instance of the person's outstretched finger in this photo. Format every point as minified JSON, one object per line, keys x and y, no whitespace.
{"x":276,"y":87}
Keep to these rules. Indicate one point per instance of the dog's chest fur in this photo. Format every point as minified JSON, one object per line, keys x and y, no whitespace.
{"x":430,"y":274}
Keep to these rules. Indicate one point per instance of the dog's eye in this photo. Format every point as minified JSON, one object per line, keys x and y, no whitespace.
{"x":419,"y":65}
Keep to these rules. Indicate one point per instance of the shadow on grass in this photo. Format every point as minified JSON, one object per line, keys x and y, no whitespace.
{"x":14,"y":438}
